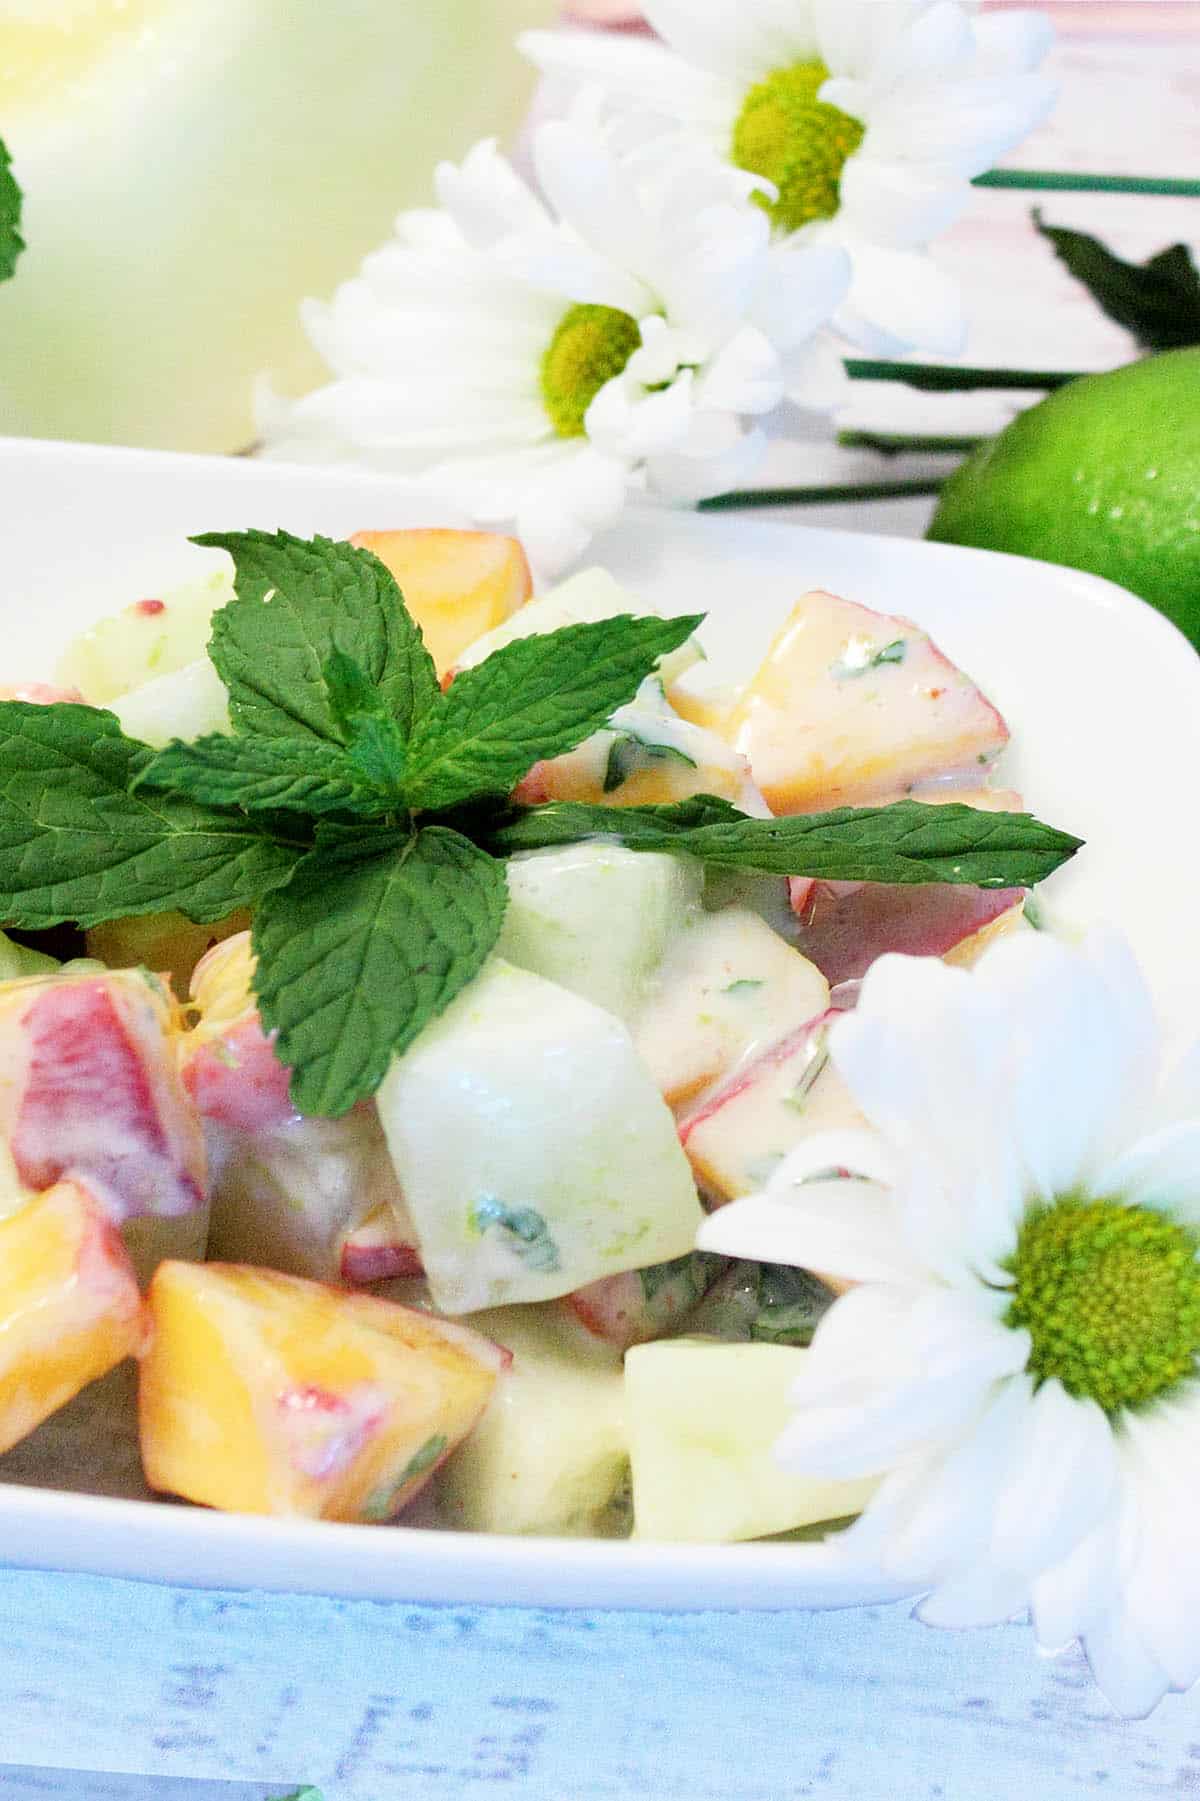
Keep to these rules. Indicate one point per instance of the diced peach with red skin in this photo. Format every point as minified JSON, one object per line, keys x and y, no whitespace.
{"x":265,"y":1393}
{"x":379,"y":1251}
{"x":845,"y":926}
{"x":852,"y":707}
{"x":70,"y":1309}
{"x":457,"y":585}
{"x":236,"y":1080}
{"x":92,"y":1090}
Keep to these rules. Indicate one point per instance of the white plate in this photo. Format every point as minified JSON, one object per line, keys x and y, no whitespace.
{"x":1103,"y":697}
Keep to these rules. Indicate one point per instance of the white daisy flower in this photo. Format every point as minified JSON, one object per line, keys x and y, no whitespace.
{"x":869,"y":117}
{"x":541,"y":359}
{"x":1019,"y":1353}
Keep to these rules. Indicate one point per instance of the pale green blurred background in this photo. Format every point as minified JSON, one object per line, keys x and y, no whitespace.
{"x":193,"y":168}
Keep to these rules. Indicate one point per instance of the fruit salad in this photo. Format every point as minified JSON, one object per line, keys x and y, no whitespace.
{"x":418,"y":1210}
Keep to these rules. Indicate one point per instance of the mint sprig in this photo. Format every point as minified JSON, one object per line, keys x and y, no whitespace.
{"x":79,"y":842}
{"x":905,"y":842}
{"x":373,"y":936}
{"x":297,"y":602}
{"x":536,"y":698}
{"x":364,"y":813}
{"x":11,"y":241}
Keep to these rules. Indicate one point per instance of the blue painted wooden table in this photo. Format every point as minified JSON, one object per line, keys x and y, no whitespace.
{"x":374,"y":1701}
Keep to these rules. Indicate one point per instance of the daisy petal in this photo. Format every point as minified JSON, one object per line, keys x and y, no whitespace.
{"x":1013,"y":42}
{"x":1124,"y":1669}
{"x":842,"y":1229}
{"x":1059,"y":1485}
{"x":899,"y":299}
{"x":740,"y":45}
{"x":637,"y":73}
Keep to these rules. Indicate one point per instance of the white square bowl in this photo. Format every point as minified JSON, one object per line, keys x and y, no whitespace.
{"x":1103,"y":698}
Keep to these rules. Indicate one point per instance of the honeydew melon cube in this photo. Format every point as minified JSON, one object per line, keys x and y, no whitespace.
{"x":702,"y":1419}
{"x":598,"y":918}
{"x":531,"y":1146}
{"x":185,"y":704}
{"x":17,"y":961}
{"x":149,"y":639}
{"x":550,"y":1454}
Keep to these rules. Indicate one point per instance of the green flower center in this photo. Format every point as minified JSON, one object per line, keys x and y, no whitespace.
{"x":1110,"y":1296}
{"x":796,"y":141}
{"x":591,"y":345}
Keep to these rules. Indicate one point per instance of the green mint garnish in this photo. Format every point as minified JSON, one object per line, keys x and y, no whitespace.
{"x":11,"y":241}
{"x":905,"y":842}
{"x":744,"y":986}
{"x":1158,"y":301}
{"x":791,"y":1304}
{"x":296,"y":604}
{"x":630,"y":752}
{"x":850,"y":667}
{"x":76,"y":844}
{"x":535,"y":698}
{"x":523,"y":1229}
{"x":373,"y":937}
{"x":321,"y":810}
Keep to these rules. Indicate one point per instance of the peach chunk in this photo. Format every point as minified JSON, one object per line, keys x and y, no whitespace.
{"x":457,"y":585}
{"x":853,"y":707}
{"x":92,"y":1090}
{"x":266,"y":1393}
{"x":70,"y":1310}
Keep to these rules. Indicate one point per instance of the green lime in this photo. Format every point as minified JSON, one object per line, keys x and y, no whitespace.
{"x":1103,"y":475}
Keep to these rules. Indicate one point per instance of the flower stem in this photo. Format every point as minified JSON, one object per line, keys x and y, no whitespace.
{"x":1052,"y":181}
{"x":949,"y":378}
{"x":890,"y":444}
{"x":819,"y":496}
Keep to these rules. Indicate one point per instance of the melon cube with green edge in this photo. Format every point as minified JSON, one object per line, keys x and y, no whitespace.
{"x":549,"y":1456}
{"x":70,"y":1309}
{"x":188,"y":703}
{"x":852,"y":707}
{"x":531,"y":1146}
{"x":17,"y":961}
{"x":583,"y":599}
{"x":598,"y":918}
{"x":266,"y":1393}
{"x":456,"y":585}
{"x":150,"y":638}
{"x":703,"y":1418}
{"x":726,"y":988}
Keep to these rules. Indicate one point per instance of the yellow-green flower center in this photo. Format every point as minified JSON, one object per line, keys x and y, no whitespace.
{"x":1110,"y":1296}
{"x":591,"y":345}
{"x":797,"y":142}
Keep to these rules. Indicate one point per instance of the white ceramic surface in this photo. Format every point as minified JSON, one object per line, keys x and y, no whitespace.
{"x":1104,"y":701}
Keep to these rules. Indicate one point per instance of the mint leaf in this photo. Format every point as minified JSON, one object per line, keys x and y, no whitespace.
{"x":260,"y":775}
{"x":629,"y":752}
{"x":905,"y":842}
{"x":1158,"y":301}
{"x":522,"y":1229}
{"x":297,"y":601}
{"x":76,"y":845}
{"x":373,"y":936}
{"x":11,"y":241}
{"x":535,"y":698}
{"x":377,"y":746}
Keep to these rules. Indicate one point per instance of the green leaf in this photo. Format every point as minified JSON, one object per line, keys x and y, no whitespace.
{"x":297,"y":602}
{"x":905,"y":842}
{"x":76,"y":845}
{"x":258,"y":774}
{"x":11,"y":241}
{"x":1158,"y":301}
{"x":373,"y":936}
{"x":522,"y":1229}
{"x":629,"y":752}
{"x":535,"y":698}
{"x":376,"y":744}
